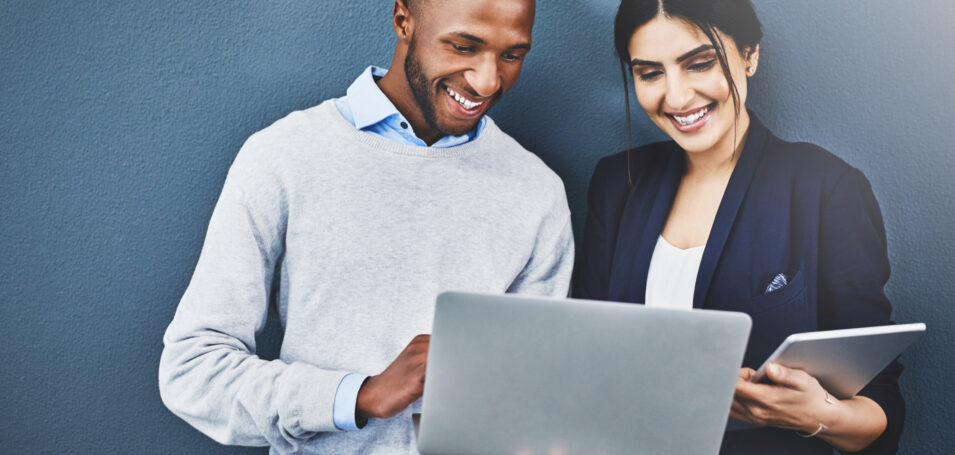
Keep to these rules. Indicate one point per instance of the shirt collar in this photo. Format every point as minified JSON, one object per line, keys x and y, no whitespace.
{"x":368,"y":103}
{"x":369,"y":106}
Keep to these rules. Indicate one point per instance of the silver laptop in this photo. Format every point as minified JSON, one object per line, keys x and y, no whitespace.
{"x":513,"y":374}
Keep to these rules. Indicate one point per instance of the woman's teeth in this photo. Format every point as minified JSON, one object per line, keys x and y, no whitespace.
{"x":462,"y":100}
{"x":691,"y":119}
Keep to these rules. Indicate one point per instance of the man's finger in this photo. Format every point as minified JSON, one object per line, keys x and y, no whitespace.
{"x":422,"y":338}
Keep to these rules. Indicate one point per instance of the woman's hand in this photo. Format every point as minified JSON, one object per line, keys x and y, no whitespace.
{"x":796,"y":401}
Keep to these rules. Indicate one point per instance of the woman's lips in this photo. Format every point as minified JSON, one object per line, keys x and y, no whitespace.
{"x":690,"y":121}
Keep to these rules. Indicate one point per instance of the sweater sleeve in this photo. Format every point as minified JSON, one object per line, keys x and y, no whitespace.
{"x":854,"y":268}
{"x":209,"y":374}
{"x":549,"y":268}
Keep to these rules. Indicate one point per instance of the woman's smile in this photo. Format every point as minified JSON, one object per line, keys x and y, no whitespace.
{"x":683,"y":88}
{"x":692,"y":120}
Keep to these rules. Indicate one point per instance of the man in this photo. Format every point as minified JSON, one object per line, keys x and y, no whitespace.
{"x":353,"y":216}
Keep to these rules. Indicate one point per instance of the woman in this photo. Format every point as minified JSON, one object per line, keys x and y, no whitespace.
{"x":727,"y":216}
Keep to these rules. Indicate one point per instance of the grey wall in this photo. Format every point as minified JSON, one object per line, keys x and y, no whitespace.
{"x":118,"y":121}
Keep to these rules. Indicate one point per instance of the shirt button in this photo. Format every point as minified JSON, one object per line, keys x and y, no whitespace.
{"x":404,"y":125}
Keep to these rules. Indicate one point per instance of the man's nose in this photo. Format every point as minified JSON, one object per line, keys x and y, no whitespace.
{"x":485,"y":77}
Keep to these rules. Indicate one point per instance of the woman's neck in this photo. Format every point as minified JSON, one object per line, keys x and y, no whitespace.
{"x":722,"y":157}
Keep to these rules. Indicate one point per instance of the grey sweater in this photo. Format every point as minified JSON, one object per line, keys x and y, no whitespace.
{"x":354,"y":236}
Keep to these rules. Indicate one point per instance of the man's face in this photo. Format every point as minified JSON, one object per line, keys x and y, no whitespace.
{"x":462,"y":57}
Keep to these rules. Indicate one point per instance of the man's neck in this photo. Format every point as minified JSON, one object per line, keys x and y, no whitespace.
{"x":394,"y":85}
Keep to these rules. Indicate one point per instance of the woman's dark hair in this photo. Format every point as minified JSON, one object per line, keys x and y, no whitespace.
{"x":733,"y":18}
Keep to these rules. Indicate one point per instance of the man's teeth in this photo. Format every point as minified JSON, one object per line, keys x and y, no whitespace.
{"x":690,"y":119}
{"x":462,"y":100}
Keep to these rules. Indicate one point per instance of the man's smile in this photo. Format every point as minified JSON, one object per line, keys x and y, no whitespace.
{"x":464,"y":101}
{"x":464,"y":107}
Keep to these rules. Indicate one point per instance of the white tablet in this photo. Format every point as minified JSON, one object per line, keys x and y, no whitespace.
{"x":844,"y":361}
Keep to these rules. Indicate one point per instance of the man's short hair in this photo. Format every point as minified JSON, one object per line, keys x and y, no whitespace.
{"x":415,"y":6}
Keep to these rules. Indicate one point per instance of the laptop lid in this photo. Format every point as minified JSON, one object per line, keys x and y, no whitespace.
{"x":518,"y":374}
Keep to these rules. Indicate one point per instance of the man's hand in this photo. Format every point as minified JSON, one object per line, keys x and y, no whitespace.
{"x":390,"y":392}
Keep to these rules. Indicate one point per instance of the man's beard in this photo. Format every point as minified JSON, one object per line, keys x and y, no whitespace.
{"x":421,"y":89}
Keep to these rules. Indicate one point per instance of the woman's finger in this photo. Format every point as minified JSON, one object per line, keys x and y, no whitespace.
{"x":746,"y":373}
{"x":752,"y":390}
{"x":739,"y":411}
{"x":789,"y":377}
{"x":751,"y":412}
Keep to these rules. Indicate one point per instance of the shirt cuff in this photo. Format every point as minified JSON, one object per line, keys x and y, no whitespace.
{"x":346,"y":400}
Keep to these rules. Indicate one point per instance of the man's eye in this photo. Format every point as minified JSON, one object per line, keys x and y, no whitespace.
{"x":702,"y":66}
{"x":462,"y":49}
{"x":511,"y":57}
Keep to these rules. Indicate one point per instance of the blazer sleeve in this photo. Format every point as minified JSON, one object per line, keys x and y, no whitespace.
{"x":595,"y":255}
{"x":854,"y":268}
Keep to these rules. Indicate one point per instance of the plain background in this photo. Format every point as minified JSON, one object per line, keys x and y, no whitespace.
{"x":119,"y":120}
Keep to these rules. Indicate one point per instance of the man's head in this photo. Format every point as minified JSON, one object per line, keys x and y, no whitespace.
{"x":457,"y":58}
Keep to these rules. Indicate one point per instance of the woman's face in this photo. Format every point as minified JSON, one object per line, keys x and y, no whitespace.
{"x":680,"y":84}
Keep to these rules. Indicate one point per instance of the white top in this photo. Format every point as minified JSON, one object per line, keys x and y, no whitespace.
{"x":672,"y":276}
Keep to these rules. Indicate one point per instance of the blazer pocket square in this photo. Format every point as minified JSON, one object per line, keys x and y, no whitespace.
{"x":778,"y":282}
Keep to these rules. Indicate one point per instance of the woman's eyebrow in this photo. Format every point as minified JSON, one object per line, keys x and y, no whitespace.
{"x":636,"y":62}
{"x":690,"y":54}
{"x":703,"y":48}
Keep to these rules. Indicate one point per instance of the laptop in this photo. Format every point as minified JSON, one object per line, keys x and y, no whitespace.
{"x":512,"y":374}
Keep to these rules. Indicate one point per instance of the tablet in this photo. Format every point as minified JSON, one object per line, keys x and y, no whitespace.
{"x":844,"y":361}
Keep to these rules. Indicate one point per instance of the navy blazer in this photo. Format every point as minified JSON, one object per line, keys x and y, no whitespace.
{"x":790,"y":208}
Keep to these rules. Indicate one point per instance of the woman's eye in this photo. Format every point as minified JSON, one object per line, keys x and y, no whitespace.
{"x":649,"y":76}
{"x":702,"y":66}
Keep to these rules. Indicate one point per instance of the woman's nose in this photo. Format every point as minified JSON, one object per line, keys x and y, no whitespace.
{"x":679,"y":93}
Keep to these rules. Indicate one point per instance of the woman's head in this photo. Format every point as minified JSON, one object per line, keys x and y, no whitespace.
{"x":689,"y":60}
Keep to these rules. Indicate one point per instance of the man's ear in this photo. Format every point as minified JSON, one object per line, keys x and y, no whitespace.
{"x":402,"y":21}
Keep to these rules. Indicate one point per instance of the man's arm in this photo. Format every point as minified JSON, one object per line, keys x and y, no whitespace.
{"x":385,"y":395}
{"x":549,"y":268}
{"x":209,"y":374}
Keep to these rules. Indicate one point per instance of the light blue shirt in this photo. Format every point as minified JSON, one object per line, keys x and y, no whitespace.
{"x":346,"y":400}
{"x":366,"y":106}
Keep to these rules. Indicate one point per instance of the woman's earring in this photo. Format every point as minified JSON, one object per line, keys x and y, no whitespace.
{"x":751,"y":70}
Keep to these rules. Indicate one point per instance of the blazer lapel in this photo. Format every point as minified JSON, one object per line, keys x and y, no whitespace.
{"x":640,"y":225}
{"x":729,"y":207}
